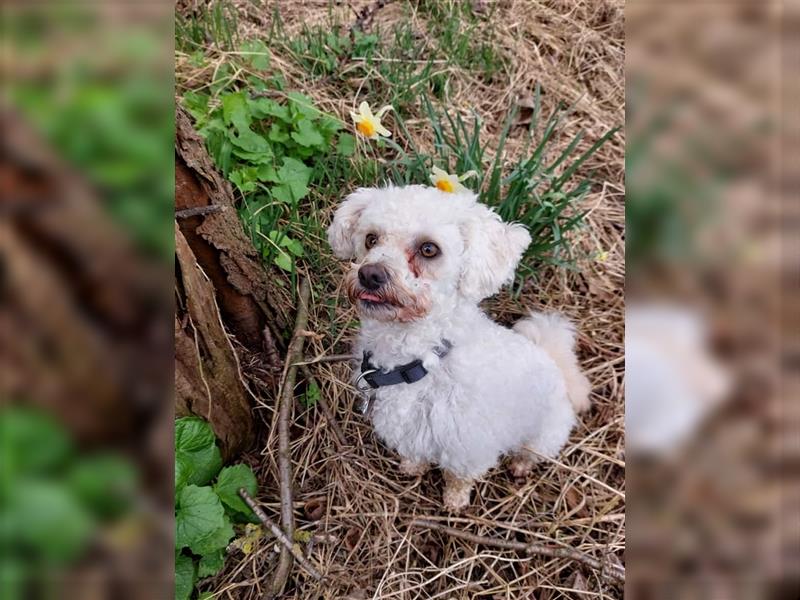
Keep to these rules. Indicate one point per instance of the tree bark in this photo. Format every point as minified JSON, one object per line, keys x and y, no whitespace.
{"x":224,"y":299}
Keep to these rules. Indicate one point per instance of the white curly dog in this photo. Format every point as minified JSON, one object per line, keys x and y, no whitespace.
{"x":449,"y":386}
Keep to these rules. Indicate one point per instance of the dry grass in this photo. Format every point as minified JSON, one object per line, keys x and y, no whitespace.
{"x":352,"y":497}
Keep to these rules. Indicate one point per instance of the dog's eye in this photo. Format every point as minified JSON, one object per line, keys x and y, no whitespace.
{"x":371,"y":240}
{"x":429,"y":249}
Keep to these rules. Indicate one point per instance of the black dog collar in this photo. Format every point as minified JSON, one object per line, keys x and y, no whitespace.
{"x":407,"y":373}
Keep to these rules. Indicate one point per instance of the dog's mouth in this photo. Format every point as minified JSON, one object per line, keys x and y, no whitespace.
{"x":373,"y":300}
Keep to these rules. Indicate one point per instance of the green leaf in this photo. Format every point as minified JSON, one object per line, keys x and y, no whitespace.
{"x":196,"y":451}
{"x":283,"y":193}
{"x":235,"y":111}
{"x":250,"y":142}
{"x":211,"y":564}
{"x":267,"y":173}
{"x":311,"y":397}
{"x":346,"y":145}
{"x":267,"y":107}
{"x":198,"y":517}
{"x":278,"y":134}
{"x":245,"y":179}
{"x":308,"y":135}
{"x":185,"y":577}
{"x":302,"y":105}
{"x":284,"y":261}
{"x":104,"y":483}
{"x":219,"y":538}
{"x":228,"y":483}
{"x":46,"y":517}
{"x":296,"y":175}
{"x":285,"y":241}
{"x":33,"y":442}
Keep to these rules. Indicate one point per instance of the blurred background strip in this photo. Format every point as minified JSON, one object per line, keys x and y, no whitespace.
{"x":711,"y":300}
{"x":86,"y":245}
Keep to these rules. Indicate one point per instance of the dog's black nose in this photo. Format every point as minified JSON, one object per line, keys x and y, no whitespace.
{"x":373,"y":276}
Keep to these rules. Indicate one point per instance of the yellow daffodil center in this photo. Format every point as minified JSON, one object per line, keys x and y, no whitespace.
{"x":366,"y":128}
{"x":445,"y":185}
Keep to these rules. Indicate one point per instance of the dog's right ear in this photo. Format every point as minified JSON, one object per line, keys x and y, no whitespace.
{"x":345,"y":219}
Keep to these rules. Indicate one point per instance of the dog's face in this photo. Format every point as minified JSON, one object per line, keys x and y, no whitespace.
{"x":415,"y":248}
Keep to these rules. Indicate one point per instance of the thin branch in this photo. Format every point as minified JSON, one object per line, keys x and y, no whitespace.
{"x":326,"y":359}
{"x":280,"y":535}
{"x":606,"y":570}
{"x":197,"y":211}
{"x":286,"y":396}
{"x":338,"y":434}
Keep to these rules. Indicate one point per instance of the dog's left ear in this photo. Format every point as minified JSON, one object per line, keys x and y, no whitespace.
{"x":345,"y":219}
{"x":492,"y":250}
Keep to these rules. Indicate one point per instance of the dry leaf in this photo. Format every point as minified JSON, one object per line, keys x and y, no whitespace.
{"x":352,"y":537}
{"x":315,"y":508}
{"x":578,"y":582}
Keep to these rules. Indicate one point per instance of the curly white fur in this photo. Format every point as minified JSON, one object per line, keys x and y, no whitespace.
{"x":499,"y":391}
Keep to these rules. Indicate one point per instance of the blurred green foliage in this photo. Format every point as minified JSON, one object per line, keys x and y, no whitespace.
{"x":104,"y":102}
{"x":53,"y":498}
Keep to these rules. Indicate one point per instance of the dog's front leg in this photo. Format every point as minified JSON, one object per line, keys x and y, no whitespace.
{"x":413,"y":468}
{"x":456,"y":491}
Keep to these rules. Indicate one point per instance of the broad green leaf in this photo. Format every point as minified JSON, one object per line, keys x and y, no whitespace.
{"x":198,"y":516}
{"x":196,"y":450}
{"x":307,"y":134}
{"x":285,"y":241}
{"x":217,"y":539}
{"x":235,"y":111}
{"x":249,"y":141}
{"x":293,"y":246}
{"x":245,"y":179}
{"x":211,"y":564}
{"x":267,"y":173}
{"x":261,"y":108}
{"x":278,"y":134}
{"x":284,"y":261}
{"x":183,"y":470}
{"x":185,"y":577}
{"x":228,"y":483}
{"x":283,"y":193}
{"x":192,"y":434}
{"x":302,"y":105}
{"x":346,"y":145}
{"x":296,"y":175}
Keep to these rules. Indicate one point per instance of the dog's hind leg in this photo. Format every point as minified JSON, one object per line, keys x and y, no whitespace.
{"x":551,"y":438}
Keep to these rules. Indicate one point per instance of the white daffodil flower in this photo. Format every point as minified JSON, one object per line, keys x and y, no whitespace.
{"x":369,"y":125}
{"x":446,"y":182}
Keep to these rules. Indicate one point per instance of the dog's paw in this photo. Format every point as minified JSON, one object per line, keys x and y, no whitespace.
{"x":412,"y":468}
{"x":456,"y":492}
{"x":578,"y":390}
{"x":456,"y":499}
{"x":521,"y":465}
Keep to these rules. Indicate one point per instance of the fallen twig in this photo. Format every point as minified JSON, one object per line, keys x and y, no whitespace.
{"x":286,"y":396}
{"x":280,"y":535}
{"x":338,"y":434}
{"x":607,"y":571}
{"x":326,"y":359}
{"x":197,"y":211}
